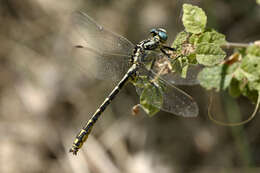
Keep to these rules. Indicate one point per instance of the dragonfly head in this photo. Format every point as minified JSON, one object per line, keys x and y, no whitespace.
{"x":162,"y":33}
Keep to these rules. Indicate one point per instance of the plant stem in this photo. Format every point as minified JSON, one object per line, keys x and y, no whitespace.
{"x":229,"y":45}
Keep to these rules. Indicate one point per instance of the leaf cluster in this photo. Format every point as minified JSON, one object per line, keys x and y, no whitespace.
{"x":238,"y":73}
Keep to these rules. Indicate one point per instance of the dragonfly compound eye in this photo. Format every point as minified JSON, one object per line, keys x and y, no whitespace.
{"x":163,"y":36}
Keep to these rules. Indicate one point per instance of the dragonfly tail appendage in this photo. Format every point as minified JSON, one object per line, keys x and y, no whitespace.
{"x":82,"y":136}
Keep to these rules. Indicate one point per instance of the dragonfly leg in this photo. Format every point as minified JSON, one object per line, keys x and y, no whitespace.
{"x":168,"y":54}
{"x":169,"y":48}
{"x":165,"y":53}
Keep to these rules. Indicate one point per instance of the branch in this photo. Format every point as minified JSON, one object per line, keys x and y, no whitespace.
{"x":229,"y":45}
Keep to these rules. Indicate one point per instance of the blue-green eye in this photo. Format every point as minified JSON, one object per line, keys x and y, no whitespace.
{"x":163,"y":35}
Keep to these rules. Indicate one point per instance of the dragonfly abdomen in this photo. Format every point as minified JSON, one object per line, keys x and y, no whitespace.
{"x":83,"y":134}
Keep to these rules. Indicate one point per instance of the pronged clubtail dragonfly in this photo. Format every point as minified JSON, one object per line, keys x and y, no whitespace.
{"x":108,"y":46}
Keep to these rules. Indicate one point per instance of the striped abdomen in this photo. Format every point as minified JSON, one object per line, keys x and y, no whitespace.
{"x":83,"y":134}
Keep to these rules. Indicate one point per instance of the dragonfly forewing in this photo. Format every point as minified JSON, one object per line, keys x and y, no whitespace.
{"x":99,"y":38}
{"x":100,"y":65}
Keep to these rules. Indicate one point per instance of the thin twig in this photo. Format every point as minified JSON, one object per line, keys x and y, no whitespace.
{"x":229,"y":45}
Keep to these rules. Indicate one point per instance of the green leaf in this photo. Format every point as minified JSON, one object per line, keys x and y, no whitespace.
{"x":253,"y":50}
{"x":246,"y":76}
{"x":192,"y":58}
{"x":194,"y":39}
{"x":210,"y":37}
{"x":194,"y":19}
{"x":214,"y":77}
{"x":140,"y":81}
{"x":251,"y":67}
{"x":179,"y":64}
{"x":234,"y":89}
{"x":176,"y":66}
{"x":151,"y":99}
{"x":250,"y":94}
{"x":254,"y":85}
{"x":241,"y":51}
{"x":258,"y":2}
{"x":181,"y":38}
{"x":239,"y":74}
{"x":184,"y":71}
{"x":209,"y":54}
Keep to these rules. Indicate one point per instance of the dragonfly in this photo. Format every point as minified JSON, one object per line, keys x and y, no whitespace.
{"x":116,"y":57}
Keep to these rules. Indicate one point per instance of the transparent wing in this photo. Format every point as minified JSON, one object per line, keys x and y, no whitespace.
{"x":162,"y":67}
{"x":99,"y":38}
{"x":178,"y":102}
{"x":175,"y":100}
{"x":191,"y":78}
{"x":100,"y":65}
{"x":99,"y":53}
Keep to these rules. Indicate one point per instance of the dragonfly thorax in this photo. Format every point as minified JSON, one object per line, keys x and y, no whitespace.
{"x":158,"y":37}
{"x":151,"y":44}
{"x":140,"y":50}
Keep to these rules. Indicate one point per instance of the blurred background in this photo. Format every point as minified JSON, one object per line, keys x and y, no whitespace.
{"x":45,"y":100}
